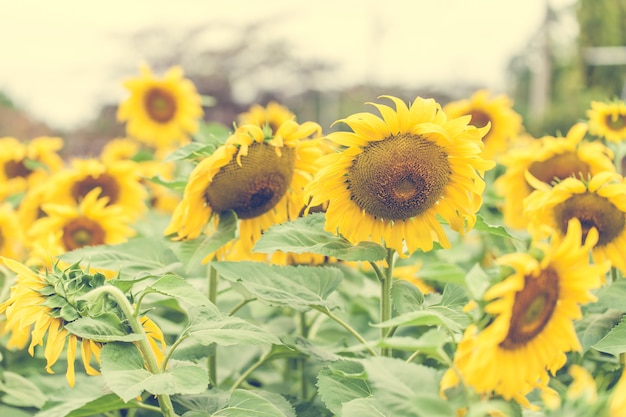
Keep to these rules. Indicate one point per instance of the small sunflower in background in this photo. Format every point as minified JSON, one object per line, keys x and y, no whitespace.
{"x":398,"y":174}
{"x":548,"y":159}
{"x":11,"y":233}
{"x":608,"y":120}
{"x":161,"y":111}
{"x":119,"y":181}
{"x":41,"y":305}
{"x":598,"y":202}
{"x":258,"y":175}
{"x":92,"y":222}
{"x":495,"y":111}
{"x":532,"y":312}
{"x":273,"y":115}
{"x":24,"y":164}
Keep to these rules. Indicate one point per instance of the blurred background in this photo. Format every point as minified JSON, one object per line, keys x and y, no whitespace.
{"x":62,"y":63}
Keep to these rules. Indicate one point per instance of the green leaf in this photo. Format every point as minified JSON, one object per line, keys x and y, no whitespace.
{"x":494,"y":407}
{"x":138,"y":256}
{"x":341,"y":382}
{"x":453,"y":296}
{"x":256,"y":404}
{"x":483,"y":226}
{"x":363,"y":407}
{"x":193,"y":150}
{"x":307,"y":235}
{"x":406,"y":389}
{"x":431,"y":317}
{"x":431,"y":344}
{"x":177,"y":287}
{"x":123,"y":371}
{"x":105,"y":328}
{"x":406,"y":297}
{"x":228,"y":331}
{"x":20,"y":392}
{"x":442,"y":272}
{"x":178,"y":184}
{"x":613,"y":295}
{"x":295,"y":286}
{"x":212,"y":133}
{"x":192,"y":252}
{"x":593,"y":327}
{"x":614,"y":342}
{"x":477,"y":282}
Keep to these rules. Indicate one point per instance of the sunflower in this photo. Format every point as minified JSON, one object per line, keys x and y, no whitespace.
{"x":259,"y":177}
{"x":161,"y":111}
{"x":41,"y":305}
{"x":25,"y":164}
{"x":398,"y":174}
{"x":273,"y":115}
{"x":532,"y":314}
{"x":119,"y":181}
{"x":599,"y":202}
{"x":547,"y":159}
{"x":11,"y":233}
{"x":496,"y":111}
{"x":93,"y":222}
{"x":608,"y":120}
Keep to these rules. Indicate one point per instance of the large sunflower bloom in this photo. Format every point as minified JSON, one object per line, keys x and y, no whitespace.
{"x":161,"y":111}
{"x":119,"y":181}
{"x":599,"y":202}
{"x":23,"y":164}
{"x":260,"y":178}
{"x":497,"y":111}
{"x":399,"y":173}
{"x":93,"y":222}
{"x":273,"y":115}
{"x":532,"y":327}
{"x":608,"y":120}
{"x":547,"y":159}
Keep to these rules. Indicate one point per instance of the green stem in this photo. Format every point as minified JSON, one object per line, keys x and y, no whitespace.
{"x":249,"y":371}
{"x":413,"y":356}
{"x":240,"y":305}
{"x":346,"y":326}
{"x":304,"y":331}
{"x":385,"y":299}
{"x":613,"y":274}
{"x":171,"y":350}
{"x":165,"y":402}
{"x":212,"y":361}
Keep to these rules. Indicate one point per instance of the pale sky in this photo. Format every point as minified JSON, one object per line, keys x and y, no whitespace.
{"x":60,"y":59}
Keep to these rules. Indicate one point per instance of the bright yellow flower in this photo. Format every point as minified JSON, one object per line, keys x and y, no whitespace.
{"x":608,"y":120}
{"x":532,"y":328}
{"x":505,"y":123}
{"x":161,"y":111}
{"x":259,"y":177}
{"x":617,"y":402}
{"x":23,"y":164}
{"x":93,"y":222}
{"x":398,"y":174}
{"x":273,"y":115}
{"x":547,"y":159}
{"x":119,"y":181}
{"x":598,"y":202}
{"x":11,"y":233}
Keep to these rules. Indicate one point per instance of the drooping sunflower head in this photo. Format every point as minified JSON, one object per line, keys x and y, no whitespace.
{"x":92,"y":222}
{"x":161,"y":111}
{"x":272,"y":115}
{"x":598,"y":203}
{"x":399,"y":173}
{"x":118,"y":181}
{"x":259,"y":177}
{"x":546,"y":160}
{"x":608,"y":120}
{"x":497,"y":112}
{"x":532,"y":314}
{"x":24,"y":164}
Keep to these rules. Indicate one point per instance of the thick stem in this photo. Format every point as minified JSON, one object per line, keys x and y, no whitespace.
{"x":212,"y":361}
{"x":165,"y":402}
{"x":386,"y":279}
{"x":304,"y":331}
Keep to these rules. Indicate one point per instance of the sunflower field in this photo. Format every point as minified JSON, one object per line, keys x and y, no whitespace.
{"x":415,"y":259}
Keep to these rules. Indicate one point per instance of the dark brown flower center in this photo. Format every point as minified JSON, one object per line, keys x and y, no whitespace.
{"x":255,"y":187}
{"x":82,"y":232}
{"x":108,"y":185}
{"x":559,"y":167}
{"x":399,"y":177}
{"x":615,"y":123}
{"x":532,"y":309}
{"x":160,"y":105}
{"x":15,"y":169}
{"x":593,"y":211}
{"x":479,"y":118}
